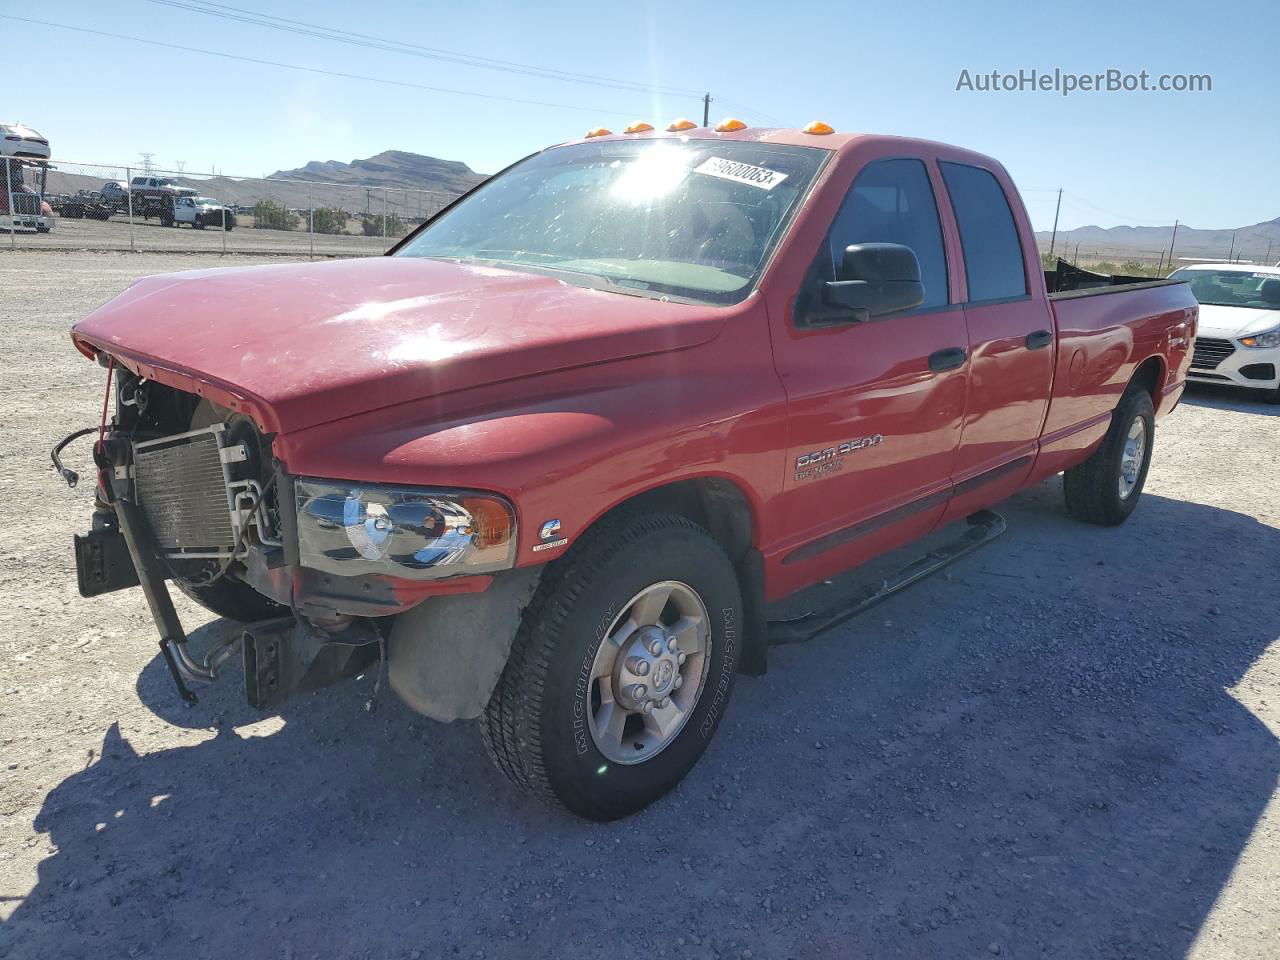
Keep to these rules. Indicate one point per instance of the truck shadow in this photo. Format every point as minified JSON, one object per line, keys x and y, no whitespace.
{"x":1035,"y":754}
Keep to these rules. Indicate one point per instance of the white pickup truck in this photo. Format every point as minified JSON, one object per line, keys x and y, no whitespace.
{"x":202,"y":212}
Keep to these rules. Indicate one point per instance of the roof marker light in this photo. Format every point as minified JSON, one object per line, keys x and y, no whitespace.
{"x":730,"y":124}
{"x":683,"y":123}
{"x":599,"y":132}
{"x":639,"y":127}
{"x":818,"y":128}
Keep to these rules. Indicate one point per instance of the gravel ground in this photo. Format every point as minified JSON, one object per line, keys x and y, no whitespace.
{"x":1066,"y":746}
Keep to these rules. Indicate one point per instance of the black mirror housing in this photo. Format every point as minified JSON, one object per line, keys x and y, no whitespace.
{"x":876,"y":279}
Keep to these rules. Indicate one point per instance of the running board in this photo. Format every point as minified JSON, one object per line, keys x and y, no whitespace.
{"x":984,"y":526}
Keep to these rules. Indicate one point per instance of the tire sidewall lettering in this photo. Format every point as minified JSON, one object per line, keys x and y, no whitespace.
{"x":582,"y":683}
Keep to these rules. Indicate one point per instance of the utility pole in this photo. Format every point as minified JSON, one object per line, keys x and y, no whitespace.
{"x":1172,"y":241}
{"x":1268,"y":260}
{"x":1232,"y":252}
{"x":706,"y":109}
{"x":147,"y":165}
{"x":1056,"y":210}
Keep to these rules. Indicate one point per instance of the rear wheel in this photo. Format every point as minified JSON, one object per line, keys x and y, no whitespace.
{"x":1106,"y":487}
{"x":622,"y":667}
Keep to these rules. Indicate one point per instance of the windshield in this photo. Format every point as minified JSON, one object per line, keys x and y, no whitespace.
{"x":206,"y":201}
{"x":1233,"y":288}
{"x":693,"y":219}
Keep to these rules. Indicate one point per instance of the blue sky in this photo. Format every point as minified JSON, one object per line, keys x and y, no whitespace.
{"x":1144,"y":158}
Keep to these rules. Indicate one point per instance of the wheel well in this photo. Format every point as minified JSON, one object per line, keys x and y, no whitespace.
{"x":1150,"y":376}
{"x":719,"y":506}
{"x":714,"y":503}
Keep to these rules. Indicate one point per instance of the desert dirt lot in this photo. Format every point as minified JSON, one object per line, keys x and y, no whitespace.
{"x":1066,"y":746}
{"x":150,"y":236}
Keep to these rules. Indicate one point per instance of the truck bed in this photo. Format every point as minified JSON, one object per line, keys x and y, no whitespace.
{"x":1066,"y":281}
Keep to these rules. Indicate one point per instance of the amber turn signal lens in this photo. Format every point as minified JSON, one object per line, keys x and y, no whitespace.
{"x":730,"y":124}
{"x":639,"y":127}
{"x":818,"y":128}
{"x":599,"y":132}
{"x":682,"y":124}
{"x":490,"y":521}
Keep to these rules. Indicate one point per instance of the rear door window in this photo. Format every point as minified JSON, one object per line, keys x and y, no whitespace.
{"x":993,"y":260}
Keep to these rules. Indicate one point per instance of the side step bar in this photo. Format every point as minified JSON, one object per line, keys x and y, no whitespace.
{"x":984,"y":526}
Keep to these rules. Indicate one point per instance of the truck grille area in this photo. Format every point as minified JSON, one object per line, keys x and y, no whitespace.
{"x":180,"y":484}
{"x":1211,"y":351}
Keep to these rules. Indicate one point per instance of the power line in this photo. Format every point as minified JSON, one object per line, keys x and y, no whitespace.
{"x":749,"y":112}
{"x":318,"y":70}
{"x":303,"y":28}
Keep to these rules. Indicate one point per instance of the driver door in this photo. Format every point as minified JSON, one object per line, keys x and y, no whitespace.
{"x":875,"y":408}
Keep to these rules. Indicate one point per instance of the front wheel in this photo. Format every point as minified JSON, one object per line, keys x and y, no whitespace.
{"x":622,"y":668}
{"x":1106,"y":487}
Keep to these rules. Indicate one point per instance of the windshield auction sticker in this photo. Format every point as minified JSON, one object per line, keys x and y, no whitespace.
{"x":740,"y":173}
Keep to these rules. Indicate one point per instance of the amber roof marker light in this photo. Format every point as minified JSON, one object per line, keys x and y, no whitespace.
{"x":818,"y":128}
{"x":729,"y":125}
{"x":639,"y":127}
{"x":683,"y":123}
{"x":598,"y":132}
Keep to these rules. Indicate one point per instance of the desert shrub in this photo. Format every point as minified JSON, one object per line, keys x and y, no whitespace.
{"x":372,"y":225}
{"x":269,"y":215}
{"x":329,"y":220}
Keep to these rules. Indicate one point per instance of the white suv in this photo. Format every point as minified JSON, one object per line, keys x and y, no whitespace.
{"x":1238,"y":339}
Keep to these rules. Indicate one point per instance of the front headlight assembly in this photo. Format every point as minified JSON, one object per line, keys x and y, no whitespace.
{"x":418,"y":534}
{"x":1268,"y":338}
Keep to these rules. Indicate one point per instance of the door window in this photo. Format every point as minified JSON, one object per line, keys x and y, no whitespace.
{"x":892,"y":202}
{"x":992,"y":250}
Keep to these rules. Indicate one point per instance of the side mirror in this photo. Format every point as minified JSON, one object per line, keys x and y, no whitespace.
{"x":876,"y":279}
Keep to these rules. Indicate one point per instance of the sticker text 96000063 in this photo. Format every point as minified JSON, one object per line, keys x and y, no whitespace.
{"x":740,"y":173}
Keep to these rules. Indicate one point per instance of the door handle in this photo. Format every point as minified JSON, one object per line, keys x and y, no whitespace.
{"x":1041,"y":338}
{"x":947,"y":359}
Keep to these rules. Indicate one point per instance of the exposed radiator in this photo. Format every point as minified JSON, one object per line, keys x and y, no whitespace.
{"x":181,"y":485}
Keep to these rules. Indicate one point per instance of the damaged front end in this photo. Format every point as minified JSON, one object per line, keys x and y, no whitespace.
{"x":189,"y":492}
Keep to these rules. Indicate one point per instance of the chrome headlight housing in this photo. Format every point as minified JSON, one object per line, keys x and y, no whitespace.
{"x":1267,"y":338}
{"x":411,"y":532}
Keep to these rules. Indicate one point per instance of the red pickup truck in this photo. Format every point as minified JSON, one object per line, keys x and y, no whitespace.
{"x":547,"y":462}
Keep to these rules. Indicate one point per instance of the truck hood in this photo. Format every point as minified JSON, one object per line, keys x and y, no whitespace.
{"x":1227,"y":322}
{"x":303,"y":344}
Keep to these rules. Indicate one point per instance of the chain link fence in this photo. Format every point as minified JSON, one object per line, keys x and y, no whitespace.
{"x":90,"y":206}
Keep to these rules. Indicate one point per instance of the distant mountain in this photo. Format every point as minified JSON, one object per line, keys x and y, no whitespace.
{"x":1251,"y":242}
{"x":407,"y":185}
{"x":391,"y":168}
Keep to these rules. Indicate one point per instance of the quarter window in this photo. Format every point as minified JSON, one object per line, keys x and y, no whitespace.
{"x":892,"y":202}
{"x":993,"y":260}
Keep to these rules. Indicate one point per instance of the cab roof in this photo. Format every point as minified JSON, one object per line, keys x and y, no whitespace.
{"x":834,"y":142}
